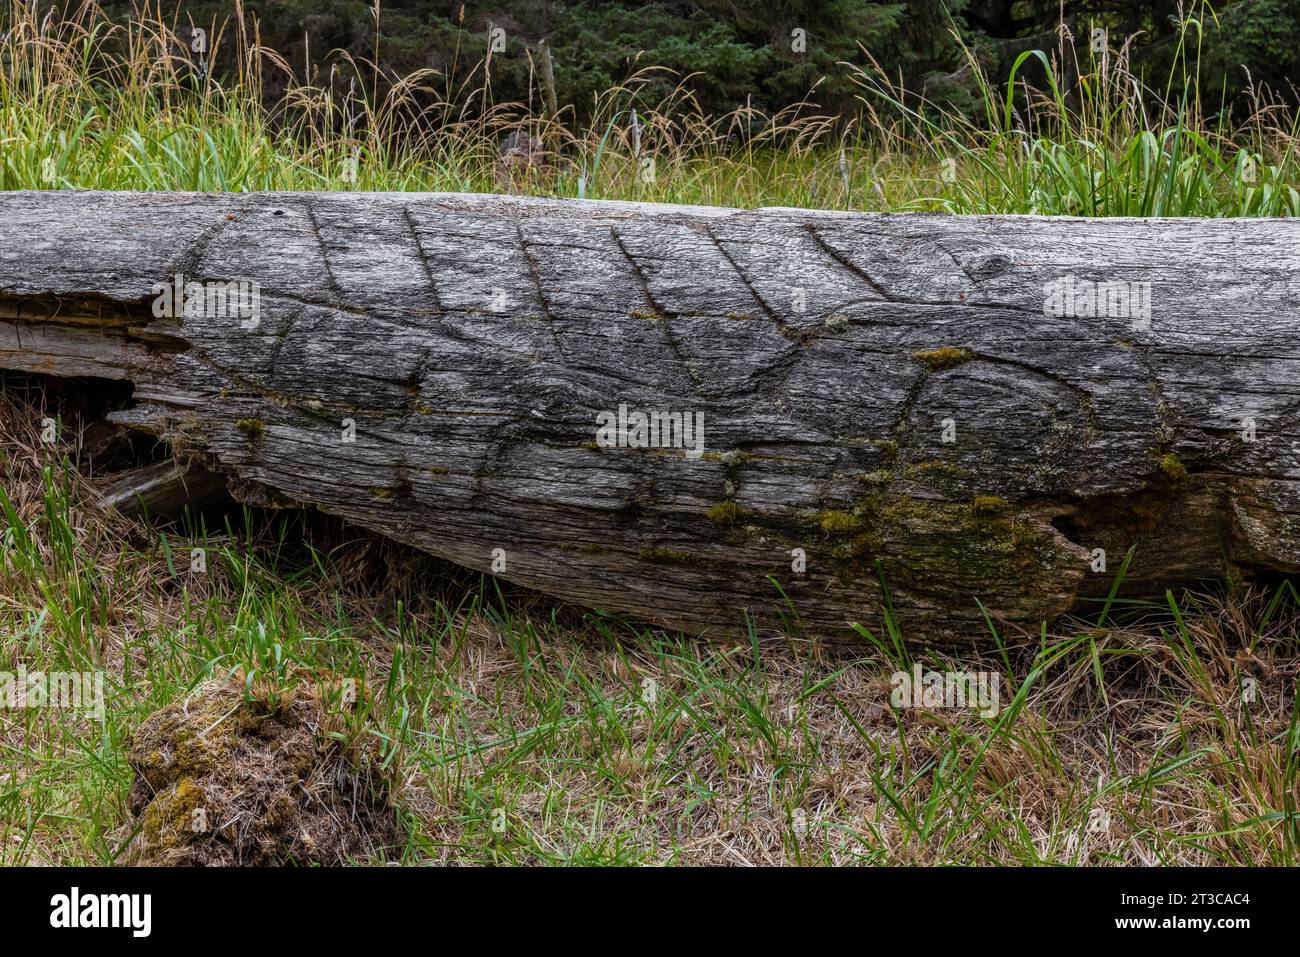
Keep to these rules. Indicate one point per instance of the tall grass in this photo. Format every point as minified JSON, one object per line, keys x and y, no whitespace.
{"x":1108,"y":145}
{"x":88,"y":103}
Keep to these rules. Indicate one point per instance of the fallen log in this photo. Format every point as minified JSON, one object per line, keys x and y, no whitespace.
{"x":683,"y":413}
{"x":161,"y":489}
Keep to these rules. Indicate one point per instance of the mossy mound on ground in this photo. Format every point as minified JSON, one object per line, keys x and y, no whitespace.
{"x":227,"y":781}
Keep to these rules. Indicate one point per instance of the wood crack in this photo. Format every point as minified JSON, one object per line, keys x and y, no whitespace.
{"x":191,"y":257}
{"x":665,"y":316}
{"x":740,"y":273}
{"x":324,"y":252}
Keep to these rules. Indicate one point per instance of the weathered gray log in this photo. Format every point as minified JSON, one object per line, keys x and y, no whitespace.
{"x":880,"y":394}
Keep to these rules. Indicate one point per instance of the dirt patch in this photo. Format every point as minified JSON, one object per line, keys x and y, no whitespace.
{"x":225,"y":780}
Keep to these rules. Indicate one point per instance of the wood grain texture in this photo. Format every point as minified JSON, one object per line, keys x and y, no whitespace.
{"x":474,"y":341}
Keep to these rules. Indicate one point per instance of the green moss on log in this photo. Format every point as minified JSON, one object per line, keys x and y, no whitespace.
{"x":667,"y":555}
{"x":947,"y":357}
{"x":838,"y":522}
{"x":1173,"y":467}
{"x":724,"y":513}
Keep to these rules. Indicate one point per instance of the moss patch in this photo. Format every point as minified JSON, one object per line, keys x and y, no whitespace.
{"x":838,"y":522}
{"x":947,"y":357}
{"x":955,"y":549}
{"x":224,"y":780}
{"x":667,"y":555}
{"x":724,"y":513}
{"x":1173,"y":466}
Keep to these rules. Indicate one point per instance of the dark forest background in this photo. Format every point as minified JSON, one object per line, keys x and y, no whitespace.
{"x":740,"y":52}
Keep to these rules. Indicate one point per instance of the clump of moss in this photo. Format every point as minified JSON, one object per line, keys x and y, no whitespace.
{"x":222,"y":781}
{"x":253,"y":428}
{"x":838,"y":522}
{"x":960,"y":540}
{"x":169,"y":818}
{"x":989,"y":504}
{"x":439,"y":470}
{"x":666,"y":555}
{"x":724,"y":513}
{"x":947,"y":477}
{"x":1172,"y":466}
{"x":936,"y":360}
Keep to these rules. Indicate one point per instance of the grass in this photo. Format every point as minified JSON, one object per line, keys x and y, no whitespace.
{"x":515,"y":732}
{"x":85,"y":103}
